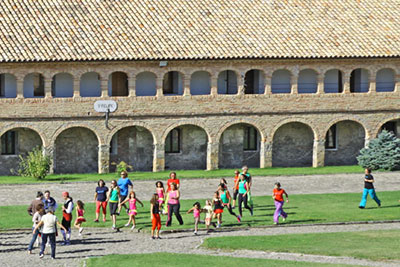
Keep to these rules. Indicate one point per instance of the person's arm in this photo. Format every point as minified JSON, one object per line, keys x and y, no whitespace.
{"x":247,"y":188}
{"x":190,"y":210}
{"x":228,"y":195}
{"x":139,"y":202}
{"x":236,"y":184}
{"x":178,"y":194}
{"x":30,"y":209}
{"x":119,"y":195}
{"x":61,"y":226}
{"x":76,"y":211}
{"x":287,"y":196}
{"x":151,"y":211}
{"x":123,"y":202}
{"x":108,"y":195}
{"x":95,"y":197}
{"x":69,"y":208}
{"x":37,"y":226}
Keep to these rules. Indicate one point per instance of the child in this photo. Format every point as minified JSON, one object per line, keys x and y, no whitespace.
{"x":218,"y":208}
{"x":235,"y":188}
{"x":368,"y":189}
{"x":37,"y":216}
{"x":80,"y":211}
{"x":67,"y":218}
{"x":209,"y":214}
{"x":224,"y":183}
{"x":160,"y":192}
{"x":196,"y":214}
{"x":243,"y":190}
{"x":277,"y":195}
{"x":226,"y":200}
{"x":155,"y":217}
{"x":132,"y":208}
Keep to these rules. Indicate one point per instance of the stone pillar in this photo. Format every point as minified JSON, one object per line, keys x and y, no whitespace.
{"x":47,"y":87}
{"x":132,"y":85}
{"x":265,"y":154}
{"x":397,"y":83}
{"x":241,"y":84}
{"x":319,"y":153}
{"x":267,"y":84}
{"x":159,"y":158}
{"x":104,"y":158}
{"x":104,"y":86}
{"x":366,"y":141}
{"x":159,"y":86}
{"x":49,"y":151}
{"x":77,"y":84}
{"x":346,"y":82}
{"x":186,"y":85}
{"x":320,"y":88}
{"x":20,"y":87}
{"x":372,"y":86}
{"x":214,"y":85}
{"x":212,"y":156}
{"x":293,"y":82}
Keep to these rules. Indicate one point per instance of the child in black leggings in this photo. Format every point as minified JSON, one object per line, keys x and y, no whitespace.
{"x":243,"y":192}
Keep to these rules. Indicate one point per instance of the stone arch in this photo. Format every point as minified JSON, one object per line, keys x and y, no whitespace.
{"x":239,"y":144}
{"x":90,"y":84}
{"x":347,"y":118}
{"x":200,"y":83}
{"x":333,"y":81}
{"x":292,"y":144}
{"x":118,"y":83}
{"x":146,"y":83}
{"x":9,"y":127}
{"x":385,"y":80}
{"x":343,"y":141}
{"x":76,"y":151}
{"x":377,"y":127}
{"x":33,"y":85}
{"x":228,"y":82}
{"x":360,"y":80}
{"x":186,"y":146}
{"x":114,"y":130}
{"x":173,"y":82}
{"x":240,"y":121}
{"x":254,"y":81}
{"x":178,"y":124}
{"x":307,"y":81}
{"x":62,"y":85}
{"x":299,"y":120}
{"x":64,"y":127}
{"x":281,"y":81}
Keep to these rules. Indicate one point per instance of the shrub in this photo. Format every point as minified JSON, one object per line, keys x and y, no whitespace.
{"x":122,"y":166}
{"x":382,"y":152}
{"x":35,"y":164}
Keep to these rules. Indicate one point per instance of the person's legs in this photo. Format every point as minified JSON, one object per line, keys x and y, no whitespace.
{"x":104,"y":206}
{"x":230,"y":210}
{"x":373,"y":195}
{"x":52,"y":238}
{"x":246,"y":205}
{"x":98,"y":205}
{"x":43,"y":245}
{"x":177,"y":214}
{"x":278,"y":208}
{"x":169,"y":220}
{"x":158,"y":224}
{"x":364,"y":198}
{"x":283,"y":213}
{"x":196,"y":224}
{"x":240,"y":204}
{"x":235,"y":194}
{"x":34,"y":237}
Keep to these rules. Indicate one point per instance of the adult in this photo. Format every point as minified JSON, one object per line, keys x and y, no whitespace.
{"x":174,"y":205}
{"x":226,"y":200}
{"x":37,"y":216}
{"x":49,"y":202}
{"x":67,"y":217}
{"x":248,"y":178}
{"x":235,"y":188}
{"x":369,"y":189}
{"x":172,"y":179}
{"x":124,"y":183}
{"x":100,"y":197}
{"x":48,"y":221}
{"x":114,"y":198}
{"x":243,"y":194}
{"x":34,"y":204}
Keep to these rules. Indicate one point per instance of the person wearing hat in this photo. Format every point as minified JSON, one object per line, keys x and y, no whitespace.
{"x":34,"y":204}
{"x":67,"y":217}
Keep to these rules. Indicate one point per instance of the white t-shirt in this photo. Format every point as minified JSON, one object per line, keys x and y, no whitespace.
{"x":49,"y":223}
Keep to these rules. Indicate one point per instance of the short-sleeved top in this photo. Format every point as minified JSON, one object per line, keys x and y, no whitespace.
{"x":278,"y":194}
{"x":123,"y":184}
{"x":101,"y":193}
{"x":170,"y":181}
{"x":368,"y":185}
{"x":242,"y":187}
{"x":49,"y":223}
{"x":172,"y":200}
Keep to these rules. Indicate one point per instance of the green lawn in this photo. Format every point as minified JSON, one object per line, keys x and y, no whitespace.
{"x":302,"y":209}
{"x":373,"y":245}
{"x":183,"y":174}
{"x":184,"y":260}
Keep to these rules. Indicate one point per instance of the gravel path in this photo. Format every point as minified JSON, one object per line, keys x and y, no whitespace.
{"x":204,"y":188}
{"x":98,"y":242}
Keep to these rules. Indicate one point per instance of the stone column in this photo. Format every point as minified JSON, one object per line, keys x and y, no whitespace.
{"x":320,"y":88}
{"x":49,"y":151}
{"x":132,"y":85}
{"x":77,"y":84}
{"x":20,"y":87}
{"x":293,"y":82}
{"x":397,"y":83}
{"x":319,"y":153}
{"x":159,"y":86}
{"x":186,"y":85}
{"x":366,"y":141}
{"x":104,"y":86}
{"x":159,"y":158}
{"x":372,"y":86}
{"x":47,"y":87}
{"x":346,"y":82}
{"x":241,"y":84}
{"x":212,"y":156}
{"x":265,"y":154}
{"x":267,"y":84}
{"x":214,"y":85}
{"x":104,"y":158}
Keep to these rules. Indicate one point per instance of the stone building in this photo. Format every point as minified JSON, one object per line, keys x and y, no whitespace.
{"x":199,"y":84}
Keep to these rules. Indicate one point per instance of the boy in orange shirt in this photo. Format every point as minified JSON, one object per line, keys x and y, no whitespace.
{"x":277,"y":195}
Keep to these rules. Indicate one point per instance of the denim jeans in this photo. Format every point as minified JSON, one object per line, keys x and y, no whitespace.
{"x":35,"y":235}
{"x":373,"y":195}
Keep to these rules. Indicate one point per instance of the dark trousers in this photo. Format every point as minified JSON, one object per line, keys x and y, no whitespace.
{"x":243,"y":200}
{"x":174,"y":208}
{"x":52,"y":238}
{"x":229,"y":207}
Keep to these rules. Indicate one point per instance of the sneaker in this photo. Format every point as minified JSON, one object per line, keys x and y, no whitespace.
{"x":153,"y":238}
{"x":195,"y":232}
{"x":239,"y":219}
{"x":158,"y":237}
{"x":29,"y":251}
{"x":133,"y":227}
{"x":283,"y":219}
{"x":233,"y":207}
{"x":218,"y":225}
{"x":68,"y":243}
{"x":251,"y":212}
{"x":41,"y":256}
{"x":63,"y":243}
{"x":80,"y":234}
{"x":275,"y":223}
{"x":361,"y":207}
{"x":117,"y":213}
{"x":81,"y":230}
{"x":53,"y":258}
{"x":96,"y":220}
{"x":113,"y":227}
{"x":126,"y":225}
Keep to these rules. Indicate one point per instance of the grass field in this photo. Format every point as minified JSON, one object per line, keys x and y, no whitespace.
{"x":302,"y":209}
{"x":372,"y":245}
{"x":59,"y":178}
{"x":178,"y":260}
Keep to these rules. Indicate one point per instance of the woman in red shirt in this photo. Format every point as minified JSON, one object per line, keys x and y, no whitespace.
{"x":277,"y":195}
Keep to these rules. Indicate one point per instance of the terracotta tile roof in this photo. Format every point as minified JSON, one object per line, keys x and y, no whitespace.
{"x":64,"y":30}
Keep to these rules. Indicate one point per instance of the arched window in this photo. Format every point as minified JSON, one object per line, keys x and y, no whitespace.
{"x":90,"y":85}
{"x":8,"y":86}
{"x":359,"y":81}
{"x":385,"y":80}
{"x":307,"y":82}
{"x":173,"y":83}
{"x":118,"y":84}
{"x":34,"y":85}
{"x":200,"y":83}
{"x":62,"y":85}
{"x":280,"y":83}
{"x":333,"y":82}
{"x":227,"y":83}
{"x":254,"y":82}
{"x":146,"y":84}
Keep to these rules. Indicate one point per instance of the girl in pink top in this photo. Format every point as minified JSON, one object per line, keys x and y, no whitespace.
{"x":132,"y":208}
{"x":160,"y":192}
{"x":173,"y":205}
{"x":80,"y":211}
{"x":196,"y":214}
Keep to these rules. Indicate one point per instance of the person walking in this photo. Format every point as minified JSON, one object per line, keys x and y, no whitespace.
{"x":174,"y":205}
{"x":172,"y":179}
{"x":49,"y":221}
{"x":235,"y":188}
{"x":226,"y":200}
{"x":124,"y":183}
{"x":67,"y":218}
{"x":80,"y":213}
{"x":369,"y":189}
{"x":132,"y":208}
{"x":196,"y":209}
{"x":243,"y":191}
{"x":34,"y":204}
{"x":277,"y":195}
{"x":113,"y":198}
{"x":155,"y":217}
{"x":100,"y":197}
{"x":36,"y":219}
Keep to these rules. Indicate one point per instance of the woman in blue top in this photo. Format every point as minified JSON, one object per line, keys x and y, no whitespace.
{"x":124,"y":183}
{"x":243,"y":192}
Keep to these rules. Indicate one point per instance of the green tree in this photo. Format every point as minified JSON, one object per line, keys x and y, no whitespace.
{"x":35,"y":164}
{"x":382,"y":152}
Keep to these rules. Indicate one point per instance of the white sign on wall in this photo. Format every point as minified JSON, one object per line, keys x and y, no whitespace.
{"x":105,"y":105}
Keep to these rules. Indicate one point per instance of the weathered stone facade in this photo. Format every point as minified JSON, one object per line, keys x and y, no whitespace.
{"x":288,"y":124}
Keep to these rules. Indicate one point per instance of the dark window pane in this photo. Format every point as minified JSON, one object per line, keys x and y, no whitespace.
{"x":330,"y":139}
{"x":8,"y":143}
